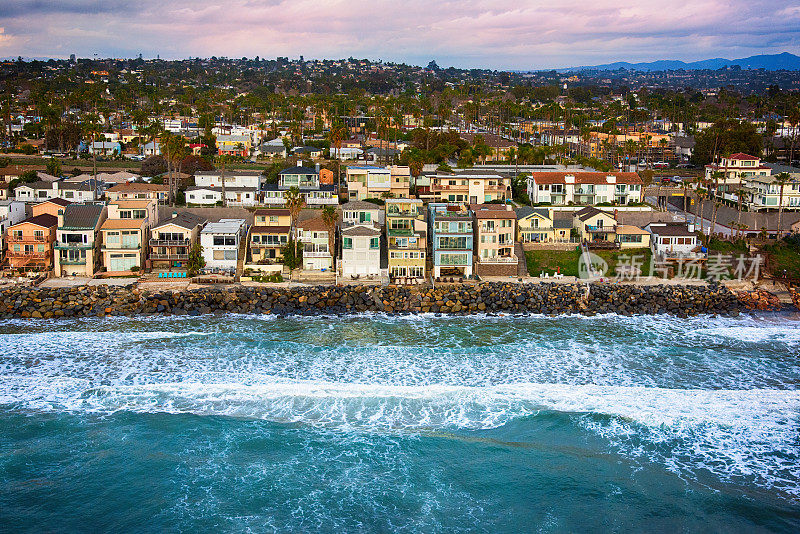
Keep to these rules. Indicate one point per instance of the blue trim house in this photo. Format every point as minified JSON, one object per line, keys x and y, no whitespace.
{"x":451,"y":239}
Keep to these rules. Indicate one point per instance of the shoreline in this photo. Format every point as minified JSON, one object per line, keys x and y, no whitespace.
{"x":487,"y":298}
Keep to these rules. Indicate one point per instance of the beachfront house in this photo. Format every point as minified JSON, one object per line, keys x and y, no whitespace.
{"x":30,"y":243}
{"x":270,"y":231}
{"x":221,"y":244}
{"x":76,"y":249}
{"x":494,"y":227}
{"x":535,"y":225}
{"x":450,"y":228}
{"x":594,"y":225}
{"x":125,"y":233}
{"x":406,"y":233}
{"x":313,"y":234}
{"x":674,"y":241}
{"x":173,"y":239}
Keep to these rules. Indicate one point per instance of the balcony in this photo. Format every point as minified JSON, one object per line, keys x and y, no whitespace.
{"x":72,"y":262}
{"x":600,"y":229}
{"x":499,"y":259}
{"x":26,"y":239}
{"x":438,"y":187}
{"x":315,"y":252}
{"x":176,"y":257}
{"x":30,"y":254}
{"x":401,"y":232}
{"x":73,"y":246}
{"x":169,"y":242}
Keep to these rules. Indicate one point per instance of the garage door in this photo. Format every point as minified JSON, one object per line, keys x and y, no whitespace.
{"x":123,"y":262}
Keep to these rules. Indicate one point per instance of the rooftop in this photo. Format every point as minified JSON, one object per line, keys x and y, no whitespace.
{"x":224,"y":226}
{"x":82,"y":215}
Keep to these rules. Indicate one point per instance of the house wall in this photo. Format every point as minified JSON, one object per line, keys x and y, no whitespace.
{"x":361,"y":259}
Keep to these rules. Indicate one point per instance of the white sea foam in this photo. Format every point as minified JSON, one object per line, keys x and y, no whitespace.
{"x":739,"y":416}
{"x":753,"y":334}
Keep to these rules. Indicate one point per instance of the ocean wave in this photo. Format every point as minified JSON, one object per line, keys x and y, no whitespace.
{"x":749,"y":434}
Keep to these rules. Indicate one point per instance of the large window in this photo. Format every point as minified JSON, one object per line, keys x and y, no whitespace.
{"x":224,"y":240}
{"x":453,"y":242}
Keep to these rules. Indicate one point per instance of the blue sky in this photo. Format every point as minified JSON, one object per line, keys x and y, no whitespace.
{"x":490,"y":33}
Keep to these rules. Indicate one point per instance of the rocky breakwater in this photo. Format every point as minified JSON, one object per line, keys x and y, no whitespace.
{"x":84,"y":301}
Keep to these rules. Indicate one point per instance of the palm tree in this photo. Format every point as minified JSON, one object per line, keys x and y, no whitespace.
{"x":740,"y":193}
{"x":715,"y":197}
{"x":336,"y":135}
{"x":701,"y":193}
{"x":330,"y":216}
{"x":295,"y":202}
{"x":781,"y":180}
{"x":91,"y":131}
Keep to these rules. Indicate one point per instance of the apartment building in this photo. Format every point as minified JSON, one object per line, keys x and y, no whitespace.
{"x":584,"y":188}
{"x":733,"y":170}
{"x":451,"y":239}
{"x":494,"y":227}
{"x":470,"y":187}
{"x":406,"y":233}
{"x":77,"y":245}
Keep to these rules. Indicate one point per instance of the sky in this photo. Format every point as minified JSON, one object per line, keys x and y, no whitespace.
{"x":496,"y":34}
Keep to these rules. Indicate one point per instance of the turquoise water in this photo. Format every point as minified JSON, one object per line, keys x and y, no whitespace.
{"x":415,"y":424}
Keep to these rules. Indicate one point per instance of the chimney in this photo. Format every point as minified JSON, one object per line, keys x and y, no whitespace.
{"x":317,"y":167}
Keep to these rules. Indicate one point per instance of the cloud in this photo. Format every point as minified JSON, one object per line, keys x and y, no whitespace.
{"x":479,"y":33}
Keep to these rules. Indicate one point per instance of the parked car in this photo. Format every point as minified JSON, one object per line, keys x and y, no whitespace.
{"x":660,"y":165}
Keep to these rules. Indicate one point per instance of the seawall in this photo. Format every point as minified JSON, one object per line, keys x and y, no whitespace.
{"x":84,"y":301}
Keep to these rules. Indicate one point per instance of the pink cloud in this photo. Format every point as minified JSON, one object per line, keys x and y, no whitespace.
{"x":527,"y":34}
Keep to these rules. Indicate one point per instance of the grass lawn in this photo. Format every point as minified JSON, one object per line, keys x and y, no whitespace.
{"x":727,"y":247}
{"x":567,"y":260}
{"x":549,"y":260}
{"x":784,"y":256}
{"x":612,"y":258}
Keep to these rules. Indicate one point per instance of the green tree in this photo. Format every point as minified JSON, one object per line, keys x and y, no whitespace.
{"x":54,"y":167}
{"x":330,"y":216}
{"x":196,"y":259}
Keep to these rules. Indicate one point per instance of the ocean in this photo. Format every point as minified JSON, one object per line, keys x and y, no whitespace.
{"x":375,"y":423}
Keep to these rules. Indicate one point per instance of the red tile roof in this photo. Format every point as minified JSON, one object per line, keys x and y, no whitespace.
{"x":742,"y":155}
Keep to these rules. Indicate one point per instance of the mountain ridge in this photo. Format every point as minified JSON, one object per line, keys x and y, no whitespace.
{"x":782,"y":61}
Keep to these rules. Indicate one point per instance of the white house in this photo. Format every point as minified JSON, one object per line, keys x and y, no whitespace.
{"x":361,"y":251}
{"x":11,"y":212}
{"x":313,"y":234}
{"x":585,"y":188}
{"x":43,"y":190}
{"x":233,"y":178}
{"x":234,"y":196}
{"x":673,"y":241}
{"x":358,"y":211}
{"x":220,"y":241}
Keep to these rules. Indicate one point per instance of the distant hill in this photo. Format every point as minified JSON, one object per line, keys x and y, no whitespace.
{"x":784,"y":61}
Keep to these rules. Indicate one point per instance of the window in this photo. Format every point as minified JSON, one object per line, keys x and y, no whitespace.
{"x":375,"y":243}
{"x":347,"y":242}
{"x":112,"y":238}
{"x":139,"y":214}
{"x":38,"y":234}
{"x":230,"y":255}
{"x":69,"y":194}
